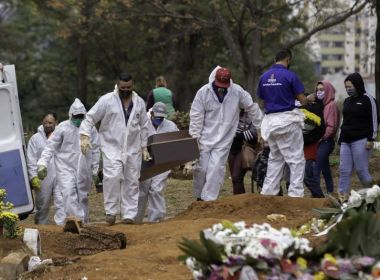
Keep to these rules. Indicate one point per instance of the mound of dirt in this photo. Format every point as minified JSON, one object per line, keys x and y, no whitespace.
{"x":152,"y":250}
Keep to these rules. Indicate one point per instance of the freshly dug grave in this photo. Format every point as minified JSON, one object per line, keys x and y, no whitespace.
{"x":152,"y":251}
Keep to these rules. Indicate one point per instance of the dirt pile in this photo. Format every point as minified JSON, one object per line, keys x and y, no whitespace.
{"x":152,"y":250}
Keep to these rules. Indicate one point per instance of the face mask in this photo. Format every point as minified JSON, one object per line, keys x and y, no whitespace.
{"x":351,"y":92}
{"x":320,"y":94}
{"x":157,"y":121}
{"x":76,"y":122}
{"x":222,"y":91}
{"x":125,"y":93}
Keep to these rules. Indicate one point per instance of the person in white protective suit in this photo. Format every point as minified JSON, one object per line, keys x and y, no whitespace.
{"x":123,"y":137}
{"x":75,"y":171}
{"x":46,"y":189}
{"x":214,"y":117}
{"x":151,"y":189}
{"x":282,"y":125}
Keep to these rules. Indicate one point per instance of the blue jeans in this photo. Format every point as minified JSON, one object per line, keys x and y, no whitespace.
{"x":353,"y":156}
{"x":310,"y":179}
{"x":325,"y":148}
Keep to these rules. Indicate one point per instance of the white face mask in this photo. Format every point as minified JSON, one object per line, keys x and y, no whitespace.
{"x":320,"y":94}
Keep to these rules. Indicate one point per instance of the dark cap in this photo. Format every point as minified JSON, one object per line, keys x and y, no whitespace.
{"x":223,"y":77}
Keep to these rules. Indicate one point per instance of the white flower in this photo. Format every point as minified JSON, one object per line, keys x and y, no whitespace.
{"x":355,"y":199}
{"x":197,"y":274}
{"x":372,"y":194}
{"x":255,"y":241}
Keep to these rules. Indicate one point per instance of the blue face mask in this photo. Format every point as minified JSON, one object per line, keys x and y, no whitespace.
{"x":157,"y":121}
{"x":76,"y":122}
{"x":351,"y":92}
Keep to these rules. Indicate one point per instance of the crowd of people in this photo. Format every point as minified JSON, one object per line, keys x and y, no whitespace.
{"x":296,"y":131}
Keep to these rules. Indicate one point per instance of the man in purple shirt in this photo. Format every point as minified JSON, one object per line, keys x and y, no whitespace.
{"x":282,"y":125}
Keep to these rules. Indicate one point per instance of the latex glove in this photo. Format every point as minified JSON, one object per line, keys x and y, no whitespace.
{"x":369,"y":145}
{"x":146,"y":155}
{"x":36,"y":183}
{"x":188,"y":168}
{"x":95,"y":179}
{"x":85,"y":144}
{"x":42,"y":172}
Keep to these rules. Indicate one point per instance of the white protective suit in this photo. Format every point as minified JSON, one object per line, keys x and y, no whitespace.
{"x":214,"y":124}
{"x":74,"y":170}
{"x":121,"y":147}
{"x":151,"y":189}
{"x":49,"y":188}
{"x":283,"y":131}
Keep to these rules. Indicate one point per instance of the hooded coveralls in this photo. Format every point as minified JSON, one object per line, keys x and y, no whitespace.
{"x":214,"y":123}
{"x":151,"y":189}
{"x":49,"y":188}
{"x":74,"y":170}
{"x":121,"y":144}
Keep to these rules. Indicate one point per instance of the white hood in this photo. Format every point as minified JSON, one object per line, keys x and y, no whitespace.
{"x":77,"y":108}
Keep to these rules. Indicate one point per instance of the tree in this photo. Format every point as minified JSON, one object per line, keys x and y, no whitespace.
{"x":253,"y":30}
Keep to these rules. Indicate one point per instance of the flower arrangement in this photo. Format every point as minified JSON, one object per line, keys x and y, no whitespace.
{"x":226,"y":248}
{"x":8,"y":219}
{"x":364,"y":200}
{"x":311,"y":121}
{"x":259,"y":252}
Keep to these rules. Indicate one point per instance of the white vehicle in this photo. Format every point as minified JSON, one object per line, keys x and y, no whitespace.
{"x":13,"y":170}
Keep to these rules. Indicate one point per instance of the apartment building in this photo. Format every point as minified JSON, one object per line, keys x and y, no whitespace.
{"x":347,"y":47}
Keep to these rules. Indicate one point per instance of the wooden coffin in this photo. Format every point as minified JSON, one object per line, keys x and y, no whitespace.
{"x":168,"y":150}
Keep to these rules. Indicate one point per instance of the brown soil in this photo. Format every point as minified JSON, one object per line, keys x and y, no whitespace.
{"x":152,"y":250}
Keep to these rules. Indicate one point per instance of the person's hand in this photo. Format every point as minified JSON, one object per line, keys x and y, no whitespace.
{"x":42,"y":172}
{"x":36,"y":183}
{"x":239,"y":135}
{"x":188,"y":168}
{"x":85,"y":144}
{"x":146,"y":155}
{"x":369,"y":145}
{"x":95,"y":179}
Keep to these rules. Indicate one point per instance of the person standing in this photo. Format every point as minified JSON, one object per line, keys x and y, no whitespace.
{"x":45,"y":189}
{"x":245,"y":132}
{"x":151,"y":189}
{"x":123,"y":133}
{"x":325,"y":91}
{"x":313,"y":131}
{"x":161,"y":94}
{"x":214,"y":116}
{"x":358,"y":131}
{"x":282,"y":125}
{"x":71,"y":165}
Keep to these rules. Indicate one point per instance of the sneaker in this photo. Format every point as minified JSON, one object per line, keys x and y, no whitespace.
{"x":110,"y":219}
{"x":128,"y":221}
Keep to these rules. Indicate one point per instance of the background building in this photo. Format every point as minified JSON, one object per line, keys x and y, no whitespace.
{"x":347,"y":47}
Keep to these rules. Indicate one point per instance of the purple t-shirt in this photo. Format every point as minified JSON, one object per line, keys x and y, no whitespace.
{"x":278,"y":87}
